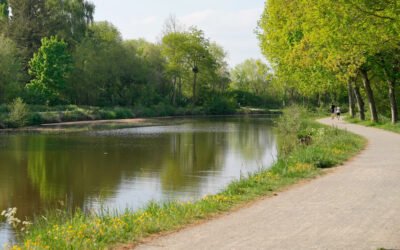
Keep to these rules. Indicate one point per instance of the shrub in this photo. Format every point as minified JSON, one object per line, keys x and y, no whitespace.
{"x":35,"y":119}
{"x":18,"y":113}
{"x":220,"y":105}
{"x":291,"y":128}
{"x":123,"y":113}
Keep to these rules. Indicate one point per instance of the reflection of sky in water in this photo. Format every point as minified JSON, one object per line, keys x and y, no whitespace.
{"x":127,"y":168}
{"x":130,"y":194}
{"x":6,"y":235}
{"x":158,"y":130}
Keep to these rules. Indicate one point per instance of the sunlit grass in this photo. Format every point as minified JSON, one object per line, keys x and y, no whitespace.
{"x":78,"y":230}
{"x":384,"y":123}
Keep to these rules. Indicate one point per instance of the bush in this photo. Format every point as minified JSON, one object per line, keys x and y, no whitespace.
{"x":18,"y":113}
{"x":123,"y":113}
{"x":220,"y":105}
{"x":291,"y":128}
{"x":35,"y":119}
{"x":246,"y":98}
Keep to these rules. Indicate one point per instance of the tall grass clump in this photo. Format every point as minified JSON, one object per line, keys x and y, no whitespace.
{"x":302,"y":159}
{"x":18,"y":113}
{"x":291,"y":127}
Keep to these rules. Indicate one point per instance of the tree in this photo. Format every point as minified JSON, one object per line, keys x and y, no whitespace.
{"x":251,"y":76}
{"x":105,"y":71}
{"x":69,"y":19}
{"x":148,"y":69}
{"x":11,"y":74}
{"x":49,"y":69}
{"x":4,"y":9}
{"x":221,"y":77}
{"x":4,"y":15}
{"x":198,"y":56}
{"x":338,"y":38}
{"x":173,"y":51}
{"x":27,"y":25}
{"x":31,"y":20}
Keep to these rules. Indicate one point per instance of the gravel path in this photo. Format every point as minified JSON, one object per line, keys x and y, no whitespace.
{"x":355,"y":207}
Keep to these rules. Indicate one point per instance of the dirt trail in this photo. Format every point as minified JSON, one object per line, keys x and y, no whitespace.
{"x":355,"y":207}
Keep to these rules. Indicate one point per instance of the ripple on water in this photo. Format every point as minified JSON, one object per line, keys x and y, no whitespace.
{"x":157,"y":130}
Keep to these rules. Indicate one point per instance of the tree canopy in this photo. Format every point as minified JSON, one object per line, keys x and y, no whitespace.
{"x":325,"y":44}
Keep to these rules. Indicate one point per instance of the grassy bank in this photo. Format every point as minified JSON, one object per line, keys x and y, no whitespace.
{"x":306,"y":148}
{"x":36,"y":115}
{"x":384,"y":123}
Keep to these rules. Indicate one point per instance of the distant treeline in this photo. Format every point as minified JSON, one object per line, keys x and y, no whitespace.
{"x":53,"y":53}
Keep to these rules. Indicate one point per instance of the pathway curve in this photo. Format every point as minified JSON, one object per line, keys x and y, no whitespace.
{"x":355,"y":207}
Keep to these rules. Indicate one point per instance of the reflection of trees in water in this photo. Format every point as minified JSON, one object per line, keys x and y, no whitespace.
{"x":191,"y":154}
{"x":254,"y":137}
{"x":45,"y":169}
{"x":15,"y":189}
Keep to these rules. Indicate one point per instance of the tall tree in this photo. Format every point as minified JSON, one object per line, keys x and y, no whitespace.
{"x":104,"y":71}
{"x":31,"y":20}
{"x":338,"y":36}
{"x":49,"y":69}
{"x":252,"y":76}
{"x":27,"y":25}
{"x":4,"y":15}
{"x":197,"y":56}
{"x":10,"y":70}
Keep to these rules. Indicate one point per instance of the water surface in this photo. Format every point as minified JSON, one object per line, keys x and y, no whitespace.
{"x":127,"y":168}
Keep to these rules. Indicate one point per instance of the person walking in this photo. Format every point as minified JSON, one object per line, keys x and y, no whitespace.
{"x":333,"y":111}
{"x":338,"y":112}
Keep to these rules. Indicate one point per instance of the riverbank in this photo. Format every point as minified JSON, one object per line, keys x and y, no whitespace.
{"x":43,"y":118}
{"x":326,"y":147}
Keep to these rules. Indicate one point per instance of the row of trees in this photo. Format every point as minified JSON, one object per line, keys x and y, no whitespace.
{"x":321,"y":47}
{"x":52,"y":52}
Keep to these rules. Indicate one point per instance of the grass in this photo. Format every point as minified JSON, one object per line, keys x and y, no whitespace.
{"x":328,"y":147}
{"x":384,"y":123}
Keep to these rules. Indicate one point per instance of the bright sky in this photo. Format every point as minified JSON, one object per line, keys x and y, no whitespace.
{"x":230,"y":23}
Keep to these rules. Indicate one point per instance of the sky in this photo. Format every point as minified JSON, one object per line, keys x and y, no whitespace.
{"x":230,"y":23}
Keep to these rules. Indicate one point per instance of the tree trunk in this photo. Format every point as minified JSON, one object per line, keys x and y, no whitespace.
{"x":392,"y":97}
{"x":360,"y":101}
{"x":352,"y":108}
{"x":393,"y":101}
{"x":180,"y":88}
{"x":370,"y":95}
{"x":194,"y":88}
{"x":174,"y":91}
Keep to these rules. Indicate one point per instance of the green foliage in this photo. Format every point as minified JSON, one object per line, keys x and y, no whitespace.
{"x":49,"y":68}
{"x":61,"y":56}
{"x":252,"y":76}
{"x":219,"y":105}
{"x":35,"y":19}
{"x":193,"y":63}
{"x":18,"y":113}
{"x":10,"y":70}
{"x":317,"y":48}
{"x":291,"y":127}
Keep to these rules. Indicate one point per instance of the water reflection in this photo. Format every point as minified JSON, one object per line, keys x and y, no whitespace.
{"x":129,"y":167}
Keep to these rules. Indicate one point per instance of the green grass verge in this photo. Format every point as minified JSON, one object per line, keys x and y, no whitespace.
{"x":384,"y":123}
{"x":62,"y":230}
